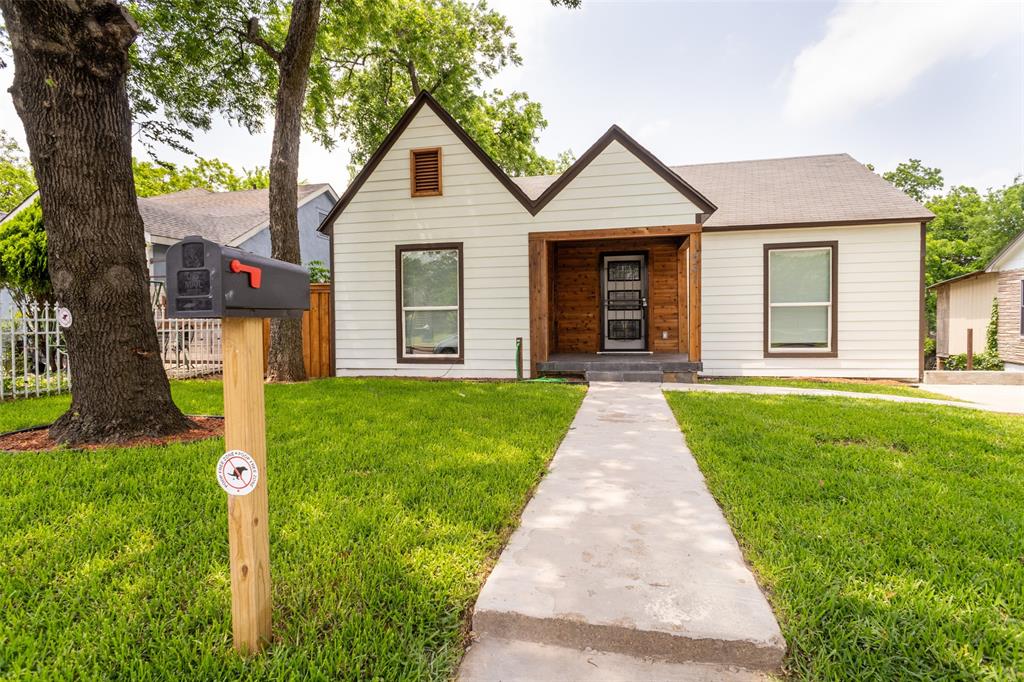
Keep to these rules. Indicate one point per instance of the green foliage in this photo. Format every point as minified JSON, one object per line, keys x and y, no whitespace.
{"x":915,"y":179}
{"x":318,"y":272}
{"x":389,"y":501}
{"x":155,"y":178}
{"x":929,"y":347}
{"x":195,"y":60}
{"x":23,"y":267}
{"x":448,"y":48}
{"x":983,"y":362}
{"x":16,"y":178}
{"x":888,"y":540}
{"x":992,"y":331}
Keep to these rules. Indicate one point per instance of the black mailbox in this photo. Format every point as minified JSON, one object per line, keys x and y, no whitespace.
{"x":205,"y":279}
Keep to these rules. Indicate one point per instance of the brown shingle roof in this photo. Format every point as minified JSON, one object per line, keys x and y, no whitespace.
{"x":832,"y":188}
{"x":218,"y":216}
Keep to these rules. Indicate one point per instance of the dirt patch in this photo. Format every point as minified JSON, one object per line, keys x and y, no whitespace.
{"x":38,"y":439}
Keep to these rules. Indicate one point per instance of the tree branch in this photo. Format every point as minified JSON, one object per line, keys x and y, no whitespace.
{"x":411,"y":68}
{"x":252,"y":35}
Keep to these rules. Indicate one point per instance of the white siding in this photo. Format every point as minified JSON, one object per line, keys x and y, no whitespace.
{"x":970,"y":307}
{"x":615,"y":190}
{"x":878,"y":306}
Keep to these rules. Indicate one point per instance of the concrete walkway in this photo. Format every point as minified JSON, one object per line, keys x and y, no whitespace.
{"x":1001,"y":402}
{"x":623,"y":551}
{"x":1005,"y":398}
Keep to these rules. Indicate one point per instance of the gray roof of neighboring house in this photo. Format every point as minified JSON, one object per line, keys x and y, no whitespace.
{"x":218,"y":216}
{"x":831,"y":188}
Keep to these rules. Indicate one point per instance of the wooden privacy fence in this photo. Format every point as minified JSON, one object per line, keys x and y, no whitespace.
{"x":316,"y":333}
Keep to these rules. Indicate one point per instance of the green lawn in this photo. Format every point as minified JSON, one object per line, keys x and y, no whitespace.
{"x":891,"y":541}
{"x":852,"y":386}
{"x":388,"y":501}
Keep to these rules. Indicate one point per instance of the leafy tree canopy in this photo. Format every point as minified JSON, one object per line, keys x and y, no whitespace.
{"x":154,"y":178}
{"x":915,"y":179}
{"x":195,"y":60}
{"x":16,"y":178}
{"x":23,"y":268}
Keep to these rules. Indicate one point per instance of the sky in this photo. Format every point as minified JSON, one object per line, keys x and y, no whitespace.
{"x":701,"y":82}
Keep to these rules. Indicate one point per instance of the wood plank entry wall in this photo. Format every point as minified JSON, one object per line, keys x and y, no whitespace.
{"x":577,"y":293}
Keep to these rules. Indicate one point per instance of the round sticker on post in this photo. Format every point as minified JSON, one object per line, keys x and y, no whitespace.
{"x":64,"y":317}
{"x":237,"y":472}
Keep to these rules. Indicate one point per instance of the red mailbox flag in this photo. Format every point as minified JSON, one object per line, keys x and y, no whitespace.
{"x":255,"y":274}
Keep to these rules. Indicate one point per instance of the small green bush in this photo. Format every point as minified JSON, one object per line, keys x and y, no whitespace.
{"x":988,"y":362}
{"x":992,"y":331}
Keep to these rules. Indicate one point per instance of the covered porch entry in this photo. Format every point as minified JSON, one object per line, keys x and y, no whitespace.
{"x":616,"y":304}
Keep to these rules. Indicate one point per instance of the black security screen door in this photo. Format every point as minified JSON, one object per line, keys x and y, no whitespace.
{"x":624,"y":302}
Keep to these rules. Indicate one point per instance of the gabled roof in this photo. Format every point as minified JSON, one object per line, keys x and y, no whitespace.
{"x":223,"y":217}
{"x":1005,"y":251}
{"x":533,"y":204}
{"x":831,"y":189}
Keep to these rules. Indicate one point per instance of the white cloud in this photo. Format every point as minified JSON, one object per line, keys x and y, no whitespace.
{"x":874,"y":51}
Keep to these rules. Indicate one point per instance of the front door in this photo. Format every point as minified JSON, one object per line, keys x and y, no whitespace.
{"x":624,"y":302}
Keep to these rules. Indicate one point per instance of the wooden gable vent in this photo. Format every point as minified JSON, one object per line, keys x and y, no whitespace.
{"x":425,"y":168}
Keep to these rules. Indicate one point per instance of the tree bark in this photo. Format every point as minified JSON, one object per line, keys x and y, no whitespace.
{"x":70,"y":61}
{"x":285,"y":362}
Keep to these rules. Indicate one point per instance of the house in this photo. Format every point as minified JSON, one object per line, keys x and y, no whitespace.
{"x":240,"y":219}
{"x":621,"y":267}
{"x":963,"y":305}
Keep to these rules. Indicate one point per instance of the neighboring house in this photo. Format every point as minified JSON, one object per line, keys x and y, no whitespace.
{"x":240,"y":219}
{"x":799,"y":266}
{"x":965,"y":302}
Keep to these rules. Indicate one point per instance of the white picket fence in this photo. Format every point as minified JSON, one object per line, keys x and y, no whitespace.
{"x":34,"y":361}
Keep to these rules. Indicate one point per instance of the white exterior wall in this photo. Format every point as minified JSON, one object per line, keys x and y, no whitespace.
{"x":615,"y":190}
{"x":878,"y":306}
{"x":970,"y":307}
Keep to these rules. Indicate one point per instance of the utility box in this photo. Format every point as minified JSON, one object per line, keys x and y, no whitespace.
{"x":207,"y":280}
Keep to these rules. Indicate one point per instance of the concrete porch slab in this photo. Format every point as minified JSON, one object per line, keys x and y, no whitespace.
{"x":498,"y":660}
{"x":624,"y":550}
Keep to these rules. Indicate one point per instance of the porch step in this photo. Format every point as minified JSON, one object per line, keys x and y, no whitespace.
{"x":645,"y":364}
{"x":612,"y":375}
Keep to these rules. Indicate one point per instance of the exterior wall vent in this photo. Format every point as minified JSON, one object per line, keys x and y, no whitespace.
{"x":425,"y":171}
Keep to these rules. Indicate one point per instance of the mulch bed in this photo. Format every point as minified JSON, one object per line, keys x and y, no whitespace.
{"x":38,"y":439}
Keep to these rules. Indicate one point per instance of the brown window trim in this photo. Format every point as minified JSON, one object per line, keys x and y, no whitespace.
{"x":832,"y":352}
{"x":399,"y":317}
{"x":1021,"y":309}
{"x":412,"y":172}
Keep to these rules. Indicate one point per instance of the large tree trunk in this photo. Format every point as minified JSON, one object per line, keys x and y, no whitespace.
{"x":70,"y":62}
{"x":285,"y":362}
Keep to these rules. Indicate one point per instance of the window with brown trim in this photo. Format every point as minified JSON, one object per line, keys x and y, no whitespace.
{"x":1022,"y":307}
{"x":428,"y":293}
{"x":800,"y":292}
{"x":425,"y":171}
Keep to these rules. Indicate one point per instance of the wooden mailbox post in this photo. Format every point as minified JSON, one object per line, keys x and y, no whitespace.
{"x":248,"y":530}
{"x":207,"y":280}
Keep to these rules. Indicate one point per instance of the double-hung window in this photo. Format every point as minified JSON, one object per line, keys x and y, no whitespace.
{"x":800,"y":292}
{"x":429,"y":291}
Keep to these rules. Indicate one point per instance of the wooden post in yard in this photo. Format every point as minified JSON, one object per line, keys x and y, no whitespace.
{"x":248,"y":528}
{"x":970,"y":350}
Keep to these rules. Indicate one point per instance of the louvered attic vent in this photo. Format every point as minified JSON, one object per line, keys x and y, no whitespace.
{"x":425,"y":167}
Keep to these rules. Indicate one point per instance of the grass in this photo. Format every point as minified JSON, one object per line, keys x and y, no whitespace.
{"x":388,"y":501}
{"x":833,"y":385}
{"x":891,"y":542}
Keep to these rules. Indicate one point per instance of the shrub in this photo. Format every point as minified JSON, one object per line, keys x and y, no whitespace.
{"x":992,"y":331}
{"x":987,"y":361}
